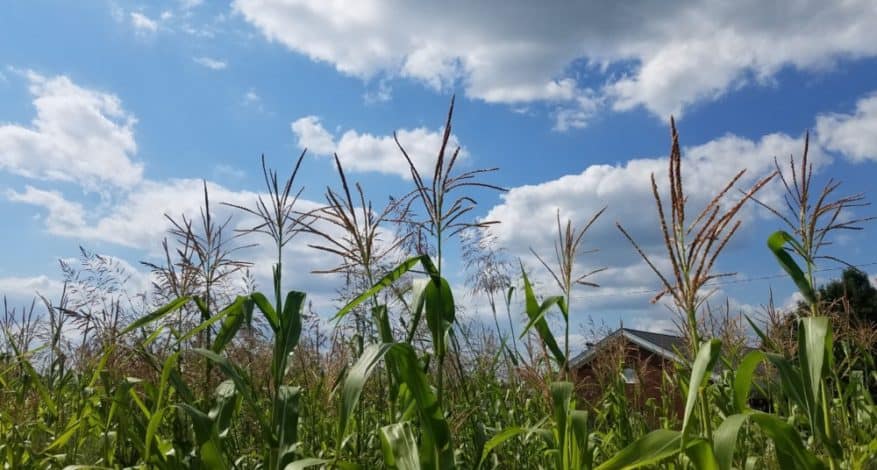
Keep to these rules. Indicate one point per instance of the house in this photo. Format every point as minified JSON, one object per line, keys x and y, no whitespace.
{"x":641,"y":356}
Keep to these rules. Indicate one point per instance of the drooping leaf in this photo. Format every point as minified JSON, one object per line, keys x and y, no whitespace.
{"x":166,"y":309}
{"x":777,"y":244}
{"x":267,"y":310}
{"x":537,"y":312}
{"x":384,"y":282}
{"x":354,"y":383}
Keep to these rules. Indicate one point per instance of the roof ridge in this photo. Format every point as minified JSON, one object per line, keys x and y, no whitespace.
{"x":632,"y":330}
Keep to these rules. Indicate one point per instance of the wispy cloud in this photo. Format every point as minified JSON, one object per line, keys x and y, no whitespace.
{"x":211,"y":63}
{"x":143,"y":23}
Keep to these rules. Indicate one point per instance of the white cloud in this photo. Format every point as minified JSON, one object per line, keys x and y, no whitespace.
{"x":362,"y":152}
{"x":23,"y":289}
{"x":527,"y":215}
{"x":312,"y":135}
{"x":78,"y":135}
{"x":210,"y":63}
{"x":634,"y":54}
{"x":63,"y":215}
{"x":143,"y":23}
{"x":189,"y":4}
{"x":137,"y":220}
{"x":853,"y":135}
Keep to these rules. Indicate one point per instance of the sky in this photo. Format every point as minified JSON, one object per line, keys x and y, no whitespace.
{"x":113,"y":113}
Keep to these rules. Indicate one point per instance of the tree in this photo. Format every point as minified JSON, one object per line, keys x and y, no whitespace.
{"x":855,"y":286}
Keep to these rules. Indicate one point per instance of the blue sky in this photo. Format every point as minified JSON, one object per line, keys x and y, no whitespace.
{"x":112,"y":112}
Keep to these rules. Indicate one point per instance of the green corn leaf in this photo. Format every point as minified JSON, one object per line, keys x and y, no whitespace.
{"x":791,"y":451}
{"x":399,"y":447}
{"x":700,"y":372}
{"x":581,"y":456}
{"x":267,"y":310}
{"x":436,"y":448}
{"x":561,"y":395}
{"x":354,"y":383}
{"x":305,"y":463}
{"x":743,"y":379}
{"x":209,"y":445}
{"x":777,"y":242}
{"x":286,"y":406}
{"x":158,"y":412}
{"x":700,"y":452}
{"x":499,"y":439}
{"x":814,"y":337}
{"x":542,"y":311}
{"x":289,"y":333}
{"x":235,"y":316}
{"x":170,"y":307}
{"x":212,"y":320}
{"x":240,"y":381}
{"x":64,"y":438}
{"x":725,"y":439}
{"x":534,"y":312}
{"x":650,"y":449}
{"x":438,"y":304}
{"x":36,"y":379}
{"x":384,"y":282}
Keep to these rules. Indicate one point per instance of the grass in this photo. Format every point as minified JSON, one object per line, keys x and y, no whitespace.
{"x":224,"y":376}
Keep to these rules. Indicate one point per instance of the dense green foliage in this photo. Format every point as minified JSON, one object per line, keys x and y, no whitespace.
{"x":221,"y":378}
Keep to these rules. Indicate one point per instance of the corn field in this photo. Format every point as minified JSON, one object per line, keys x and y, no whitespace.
{"x":209,"y":373}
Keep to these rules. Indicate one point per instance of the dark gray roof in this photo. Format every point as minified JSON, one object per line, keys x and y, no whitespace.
{"x":667,"y":346}
{"x":668,"y":342}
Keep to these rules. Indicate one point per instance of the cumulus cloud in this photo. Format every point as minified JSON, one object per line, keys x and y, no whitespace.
{"x":21,"y":290}
{"x":633,"y":54}
{"x":137,"y":220}
{"x":364,"y":152}
{"x":210,"y":63}
{"x":853,"y":135}
{"x":78,"y":135}
{"x":528,"y":214}
{"x":143,"y":23}
{"x":63,"y":215}
{"x":86,"y":138}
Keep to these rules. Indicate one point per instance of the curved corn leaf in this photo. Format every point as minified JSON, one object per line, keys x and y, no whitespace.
{"x":169,"y":307}
{"x":777,"y":242}
{"x":647,"y":450}
{"x":267,"y":310}
{"x":700,"y":372}
{"x":399,"y":447}
{"x":385,"y":281}
{"x":355,"y":381}
{"x":499,"y":439}
{"x":791,"y":451}
{"x":743,"y":379}
{"x":536,"y":313}
{"x":305,"y":463}
{"x":235,"y":316}
{"x":725,"y":439}
{"x":700,"y":452}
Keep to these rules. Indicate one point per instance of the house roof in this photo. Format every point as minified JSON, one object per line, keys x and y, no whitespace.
{"x":666,"y":346}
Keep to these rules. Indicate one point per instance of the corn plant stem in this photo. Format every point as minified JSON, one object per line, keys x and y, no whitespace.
{"x":566,"y":301}
{"x":440,"y":372}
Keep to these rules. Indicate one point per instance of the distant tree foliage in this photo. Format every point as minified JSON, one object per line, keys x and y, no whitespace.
{"x":859,"y":292}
